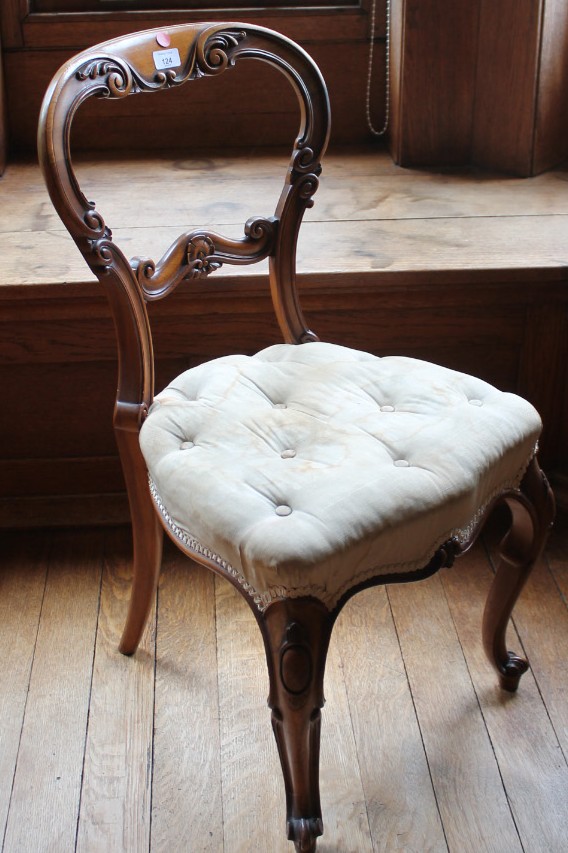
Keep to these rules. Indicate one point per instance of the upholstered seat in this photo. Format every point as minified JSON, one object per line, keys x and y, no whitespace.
{"x":310,"y":469}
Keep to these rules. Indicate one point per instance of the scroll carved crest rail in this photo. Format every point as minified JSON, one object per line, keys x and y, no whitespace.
{"x":125,"y":67}
{"x":211,"y":52}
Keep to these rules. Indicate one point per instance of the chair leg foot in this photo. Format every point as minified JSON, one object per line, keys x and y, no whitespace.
{"x":304,"y":834}
{"x":510,"y":671}
{"x":296,"y":635}
{"x":532,"y":512}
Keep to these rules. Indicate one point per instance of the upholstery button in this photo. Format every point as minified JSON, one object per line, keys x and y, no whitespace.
{"x":402,"y":463}
{"x":283,"y":510}
{"x":186,"y":445}
{"x":475,"y":403}
{"x":280,"y":406}
{"x":387,"y":408}
{"x":288,"y":454}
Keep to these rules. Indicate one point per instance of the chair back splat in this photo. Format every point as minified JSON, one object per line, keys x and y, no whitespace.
{"x":308,"y":471}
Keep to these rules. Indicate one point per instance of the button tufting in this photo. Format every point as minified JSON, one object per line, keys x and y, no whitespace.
{"x":186,"y":445}
{"x":283,"y":510}
{"x":288,"y":454}
{"x":387,"y":408}
{"x":280,"y":406}
{"x":475,"y":403}
{"x":402,"y":463}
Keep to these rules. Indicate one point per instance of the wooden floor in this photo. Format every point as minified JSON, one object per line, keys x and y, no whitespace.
{"x":172,"y":750}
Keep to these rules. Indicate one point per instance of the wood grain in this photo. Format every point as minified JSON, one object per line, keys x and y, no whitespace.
{"x":546,"y":341}
{"x":47,"y":783}
{"x":73,"y":510}
{"x":463,"y":93}
{"x":22,"y":584}
{"x":401,"y":804}
{"x":507,"y":76}
{"x":411,"y":719}
{"x":345,"y":811}
{"x":525,"y":740}
{"x":459,"y":90}
{"x":187,"y":805}
{"x":552,"y":110}
{"x":434,"y":71}
{"x":443,"y":244}
{"x":557,"y":554}
{"x":392,"y":220}
{"x":251,"y":779}
{"x":12,"y":13}
{"x":183,"y":117}
{"x":217,"y":192}
{"x":311,"y":24}
{"x":115,"y":809}
{"x":465,"y":774}
{"x":541,"y":617}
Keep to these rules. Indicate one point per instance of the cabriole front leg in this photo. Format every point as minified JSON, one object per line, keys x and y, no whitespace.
{"x":296,"y":634}
{"x":532,"y":511}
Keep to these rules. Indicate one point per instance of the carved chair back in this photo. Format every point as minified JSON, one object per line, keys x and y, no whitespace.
{"x":149,"y":62}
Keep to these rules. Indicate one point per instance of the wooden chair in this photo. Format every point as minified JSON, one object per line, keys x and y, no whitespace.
{"x":308,"y":471}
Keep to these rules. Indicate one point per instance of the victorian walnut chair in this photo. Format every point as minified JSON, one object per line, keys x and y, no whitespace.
{"x":308,"y":471}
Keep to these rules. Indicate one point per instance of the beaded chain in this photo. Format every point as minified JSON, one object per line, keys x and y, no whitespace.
{"x":370,"y":125}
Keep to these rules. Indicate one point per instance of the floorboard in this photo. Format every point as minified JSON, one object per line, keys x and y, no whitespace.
{"x":253,"y":795}
{"x":400,"y":799}
{"x":465,"y":774}
{"x":47,"y":782}
{"x":172,"y":750}
{"x":116,"y":790}
{"x":523,"y":737}
{"x":22,"y":584}
{"x":187,"y":765}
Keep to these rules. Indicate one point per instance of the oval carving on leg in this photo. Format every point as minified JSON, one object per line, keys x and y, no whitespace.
{"x":295,"y":662}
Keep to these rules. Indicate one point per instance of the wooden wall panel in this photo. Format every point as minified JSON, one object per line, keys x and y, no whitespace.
{"x":434,"y":49}
{"x":480,"y":82}
{"x":507,"y":72}
{"x":551,"y":138}
{"x":337,"y":40}
{"x":12,"y":15}
{"x":207,"y":112}
{"x":546,"y":344}
{"x":308,"y":26}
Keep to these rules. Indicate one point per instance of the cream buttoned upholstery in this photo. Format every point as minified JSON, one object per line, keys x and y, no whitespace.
{"x":304,"y":470}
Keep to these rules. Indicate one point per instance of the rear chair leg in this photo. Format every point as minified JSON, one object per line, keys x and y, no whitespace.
{"x":296,"y":636}
{"x":532,"y":513}
{"x":147,"y":539}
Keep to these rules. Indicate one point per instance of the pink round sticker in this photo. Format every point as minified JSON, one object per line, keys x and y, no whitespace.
{"x":163,"y":39}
